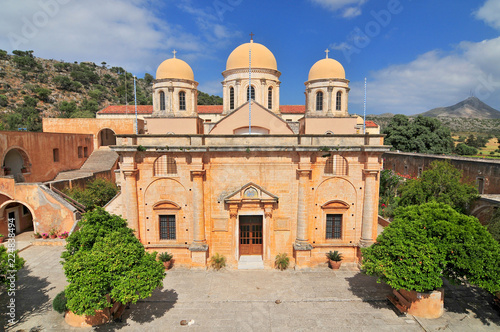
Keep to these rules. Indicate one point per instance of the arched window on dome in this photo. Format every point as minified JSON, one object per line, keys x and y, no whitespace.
{"x":319,"y":101}
{"x":162,"y":101}
{"x":231,"y":98}
{"x":270,"y":98}
{"x":252,"y":92}
{"x":182,"y":101}
{"x":339,"y":101}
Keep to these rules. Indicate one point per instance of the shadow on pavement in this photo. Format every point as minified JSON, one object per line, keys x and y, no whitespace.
{"x":31,"y":295}
{"x":367,"y":289}
{"x":465,"y":299}
{"x":145,"y":311}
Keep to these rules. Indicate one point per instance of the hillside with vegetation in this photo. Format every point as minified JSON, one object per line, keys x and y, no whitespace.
{"x":32,"y":88}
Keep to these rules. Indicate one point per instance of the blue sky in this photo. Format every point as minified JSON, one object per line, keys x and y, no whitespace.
{"x":416,"y":55}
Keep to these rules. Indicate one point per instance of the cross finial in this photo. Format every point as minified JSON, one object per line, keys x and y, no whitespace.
{"x":174,"y":52}
{"x":251,"y":36}
{"x":327,"y":51}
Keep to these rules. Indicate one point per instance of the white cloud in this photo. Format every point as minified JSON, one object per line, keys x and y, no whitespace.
{"x":211,"y":87}
{"x":127,"y":33}
{"x":347,"y":8}
{"x":434,"y":79}
{"x":490,"y":13}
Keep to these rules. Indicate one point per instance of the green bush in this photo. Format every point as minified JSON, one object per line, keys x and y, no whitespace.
{"x":282,"y":261}
{"x":60,"y":302}
{"x":5,"y":265}
{"x":217,"y":261}
{"x":165,"y":257}
{"x":4,"y":101}
{"x":428,"y":242}
{"x":465,"y":150}
{"x":97,"y":193}
{"x":494,"y":225}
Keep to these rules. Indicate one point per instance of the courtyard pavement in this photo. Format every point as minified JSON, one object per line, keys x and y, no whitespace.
{"x":231,"y":300}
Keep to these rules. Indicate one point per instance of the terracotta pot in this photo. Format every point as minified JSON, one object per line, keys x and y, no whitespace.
{"x":37,"y":236}
{"x":100,"y":317}
{"x":425,"y":305}
{"x":53,"y":236}
{"x":44,"y":237}
{"x":24,"y":170}
{"x":335,"y":265}
{"x":168,"y":265}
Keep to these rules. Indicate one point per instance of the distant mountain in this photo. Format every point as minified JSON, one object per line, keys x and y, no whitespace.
{"x":471,"y":107}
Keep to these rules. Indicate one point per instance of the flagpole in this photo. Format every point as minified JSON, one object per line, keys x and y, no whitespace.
{"x":364,"y":112}
{"x":249,"y":91}
{"x":135,"y":100}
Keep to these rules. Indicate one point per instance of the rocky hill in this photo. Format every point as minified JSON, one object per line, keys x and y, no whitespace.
{"x":472,"y":107}
{"x":54,"y":88}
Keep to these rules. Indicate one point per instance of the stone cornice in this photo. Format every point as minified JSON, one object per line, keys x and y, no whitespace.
{"x":226,"y":73}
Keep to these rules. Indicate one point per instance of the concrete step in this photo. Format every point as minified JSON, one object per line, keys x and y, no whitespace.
{"x":250,"y":262}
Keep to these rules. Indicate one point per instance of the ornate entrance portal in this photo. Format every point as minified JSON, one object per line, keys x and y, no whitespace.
{"x":251,"y":235}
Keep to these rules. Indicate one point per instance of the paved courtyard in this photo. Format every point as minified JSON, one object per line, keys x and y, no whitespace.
{"x":318,"y":300}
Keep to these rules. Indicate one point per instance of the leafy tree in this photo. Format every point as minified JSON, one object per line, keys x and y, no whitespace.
{"x":206,"y":99}
{"x":66,"y":109}
{"x":5,"y":265}
{"x":440,"y":183}
{"x":3,"y":55}
{"x":422,"y":135}
{"x":42,"y":93}
{"x":425,"y":243}
{"x":465,"y":150}
{"x":148,"y":78}
{"x":4,"y":101}
{"x":477,"y":142}
{"x":65,"y":83}
{"x":97,"y":193}
{"x":389,"y":184}
{"x":494,"y":225}
{"x":104,"y":257}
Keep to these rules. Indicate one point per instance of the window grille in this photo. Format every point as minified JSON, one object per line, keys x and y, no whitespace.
{"x":167,"y":227}
{"x":336,"y":165}
{"x":339,"y":101}
{"x":319,"y":101}
{"x":182,"y":101}
{"x":162,"y":101}
{"x":333,"y":226}
{"x":270,"y":98}
{"x":231,"y":98}
{"x":165,"y":166}
{"x":251,"y":91}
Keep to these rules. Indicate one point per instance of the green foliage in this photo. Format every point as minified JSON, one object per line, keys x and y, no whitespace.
{"x":85,"y":74}
{"x":4,"y":101}
{"x":66,"y":109}
{"x":148,"y":78}
{"x":5,"y":265}
{"x":282,"y":261}
{"x":476,"y":142}
{"x":389,"y":184}
{"x":25,"y":116}
{"x":206,"y":99}
{"x":62,"y":66}
{"x":425,"y":243}
{"x":66,"y":83}
{"x":334,"y":256}
{"x":25,"y":60}
{"x":141,"y":148}
{"x":440,"y":183}
{"x":422,"y":135}
{"x":3,"y":55}
{"x":494,"y":225}
{"x":165,"y":257}
{"x":60,"y":303}
{"x":465,"y":150}
{"x":42,"y":93}
{"x":104,"y":257}
{"x":97,"y":193}
{"x":217,"y":261}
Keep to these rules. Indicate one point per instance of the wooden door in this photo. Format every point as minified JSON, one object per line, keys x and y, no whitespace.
{"x":251,"y":235}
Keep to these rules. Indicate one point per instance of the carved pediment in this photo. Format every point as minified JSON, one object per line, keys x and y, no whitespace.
{"x":335,"y":205}
{"x":251,"y":193}
{"x":166,"y":205}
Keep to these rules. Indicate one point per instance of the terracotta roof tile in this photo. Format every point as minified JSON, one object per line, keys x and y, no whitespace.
{"x":210,"y":109}
{"x":293,"y":109}
{"x":371,"y":124}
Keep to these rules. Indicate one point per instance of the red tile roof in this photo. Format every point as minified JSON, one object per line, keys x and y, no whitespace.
{"x":371,"y":124}
{"x":210,"y":109}
{"x":293,"y":109}
{"x":127,"y":109}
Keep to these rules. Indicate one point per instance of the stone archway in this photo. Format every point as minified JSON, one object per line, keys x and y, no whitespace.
{"x":106,"y":137}
{"x":18,"y":215}
{"x":16,"y":161}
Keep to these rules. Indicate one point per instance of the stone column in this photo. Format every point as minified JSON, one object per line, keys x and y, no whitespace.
{"x":369,"y":207}
{"x":302,"y":216}
{"x":170,"y":109}
{"x":198,"y":207}
{"x":330,"y":90}
{"x":130,"y":203}
{"x":237,"y":97}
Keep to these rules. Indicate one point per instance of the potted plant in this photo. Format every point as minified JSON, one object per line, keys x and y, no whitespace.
{"x":217,"y":261}
{"x":2,"y":237}
{"x":6,"y":170}
{"x":425,"y":244}
{"x":281,"y":261}
{"x":45,"y":236}
{"x":24,"y":170}
{"x":166,"y":259}
{"x":53,"y":233}
{"x":335,"y":259}
{"x":63,"y":235}
{"x":37,"y":235}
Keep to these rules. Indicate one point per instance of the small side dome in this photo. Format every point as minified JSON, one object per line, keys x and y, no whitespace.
{"x":174,"y":68}
{"x":326,"y":69}
{"x":261,"y":57}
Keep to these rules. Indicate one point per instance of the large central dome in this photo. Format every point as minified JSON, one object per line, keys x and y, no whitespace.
{"x":261,"y":57}
{"x":326,"y":69}
{"x":176,"y":69}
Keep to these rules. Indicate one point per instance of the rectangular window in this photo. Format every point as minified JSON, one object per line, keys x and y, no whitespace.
{"x":167,"y":227}
{"x":480,"y":185}
{"x":333,"y":226}
{"x":85,"y":152}
{"x":80,"y":152}
{"x":55,"y":155}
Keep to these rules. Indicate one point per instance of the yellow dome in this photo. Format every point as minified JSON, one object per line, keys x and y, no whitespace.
{"x":174,"y":68}
{"x":326,"y":69}
{"x":261,"y":57}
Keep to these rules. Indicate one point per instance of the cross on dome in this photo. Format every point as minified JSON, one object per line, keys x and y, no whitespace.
{"x":174,"y":52}
{"x":327,"y":51}
{"x":251,"y":36}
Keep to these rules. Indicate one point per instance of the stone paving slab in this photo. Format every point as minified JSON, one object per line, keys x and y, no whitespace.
{"x":230,"y":300}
